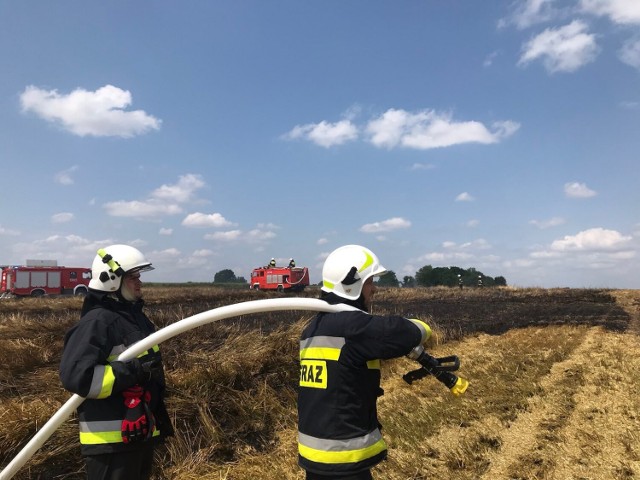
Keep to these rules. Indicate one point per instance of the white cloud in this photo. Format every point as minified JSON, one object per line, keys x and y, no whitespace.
{"x":488,"y":61}
{"x":182,"y":191}
{"x":593,"y":239}
{"x":8,"y":231}
{"x":68,"y":250}
{"x":386,"y":225}
{"x":137,"y":242}
{"x":428,"y":129}
{"x":473,"y":223}
{"x":164,"y":200}
{"x":228,"y":236}
{"x":544,"y":224}
{"x":81,"y":112}
{"x":529,"y":12}
{"x":519,"y":263}
{"x":322,"y":241}
{"x":267,"y":226}
{"x":474,"y":253}
{"x":191,"y":261}
{"x":168,"y":255}
{"x":442,"y":257}
{"x":203,"y":253}
{"x":629,"y":104}
{"x":618,"y":11}
{"x":259,"y":235}
{"x":62,"y":217}
{"x":206,"y":220}
{"x":324,"y":133}
{"x":422,"y":166}
{"x":465,"y":197}
{"x":630,"y":53}
{"x":165,"y":231}
{"x":64,"y":177}
{"x":140,"y":209}
{"x":578,"y":190}
{"x":478,"y":244}
{"x":564,"y":49}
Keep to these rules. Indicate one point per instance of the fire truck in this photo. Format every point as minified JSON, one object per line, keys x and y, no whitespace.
{"x":43,"y":277}
{"x":292,"y":279}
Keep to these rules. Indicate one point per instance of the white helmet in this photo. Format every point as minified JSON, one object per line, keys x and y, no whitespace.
{"x":112,"y":262}
{"x":347,"y":268}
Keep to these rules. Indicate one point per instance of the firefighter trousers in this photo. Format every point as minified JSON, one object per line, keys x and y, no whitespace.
{"x":134,"y":465}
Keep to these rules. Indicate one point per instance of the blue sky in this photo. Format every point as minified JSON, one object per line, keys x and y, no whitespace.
{"x":498,"y":135}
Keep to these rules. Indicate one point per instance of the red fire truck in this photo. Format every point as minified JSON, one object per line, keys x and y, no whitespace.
{"x":293,"y":279}
{"x":42,"y":277}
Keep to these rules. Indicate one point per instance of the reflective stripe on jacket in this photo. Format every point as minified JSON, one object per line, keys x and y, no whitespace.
{"x":90,"y":369}
{"x":338,"y":429}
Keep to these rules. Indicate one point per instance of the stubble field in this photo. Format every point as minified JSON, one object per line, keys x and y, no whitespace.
{"x":553,"y":386}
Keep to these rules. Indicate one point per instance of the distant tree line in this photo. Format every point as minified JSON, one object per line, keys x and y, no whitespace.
{"x":227,"y":276}
{"x":429,"y":276}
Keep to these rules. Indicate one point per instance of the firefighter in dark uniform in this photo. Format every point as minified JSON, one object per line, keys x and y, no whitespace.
{"x":338,"y":430}
{"x":124,"y":415}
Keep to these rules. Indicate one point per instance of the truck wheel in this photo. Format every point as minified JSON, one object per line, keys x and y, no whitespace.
{"x":37,"y":293}
{"x":256,"y":287}
{"x":81,"y":292}
{"x":280,"y":289}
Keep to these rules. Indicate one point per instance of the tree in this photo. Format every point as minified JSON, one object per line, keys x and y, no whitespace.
{"x":429,"y":276}
{"x":389,"y":279}
{"x":500,"y":282}
{"x":408,"y":282}
{"x":227,"y":276}
{"x":423,"y":276}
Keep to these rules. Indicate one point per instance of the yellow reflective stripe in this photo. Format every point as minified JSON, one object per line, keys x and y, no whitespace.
{"x":326,"y":283}
{"x":92,"y":438}
{"x":155,"y":348}
{"x":425,"y":329}
{"x":98,"y":438}
{"x":320,"y":353}
{"x":117,"y":352}
{"x":108,"y":379}
{"x":373,"y":364}
{"x":324,"y":353}
{"x":367,"y":262}
{"x":346,"y":456}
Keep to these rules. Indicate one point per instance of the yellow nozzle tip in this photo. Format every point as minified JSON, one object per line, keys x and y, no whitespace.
{"x":460,"y":387}
{"x":428,"y":332}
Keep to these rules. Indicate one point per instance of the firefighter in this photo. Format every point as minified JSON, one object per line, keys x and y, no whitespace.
{"x":338,"y":431}
{"x":292,"y":263}
{"x":124,"y":415}
{"x":272,"y":263}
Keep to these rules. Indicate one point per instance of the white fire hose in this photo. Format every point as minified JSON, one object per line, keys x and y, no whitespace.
{"x":170,"y":331}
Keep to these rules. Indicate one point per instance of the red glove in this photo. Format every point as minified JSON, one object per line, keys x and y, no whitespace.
{"x":138,"y":423}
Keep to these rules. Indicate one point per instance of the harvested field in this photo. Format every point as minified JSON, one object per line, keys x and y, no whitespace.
{"x":552,"y":393}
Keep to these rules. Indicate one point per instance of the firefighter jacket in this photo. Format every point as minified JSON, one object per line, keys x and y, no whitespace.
{"x":89,"y":368}
{"x":340,"y":353}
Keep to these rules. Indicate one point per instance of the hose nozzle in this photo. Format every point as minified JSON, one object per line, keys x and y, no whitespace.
{"x":440,"y":368}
